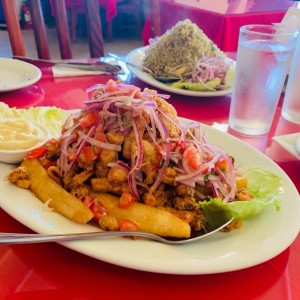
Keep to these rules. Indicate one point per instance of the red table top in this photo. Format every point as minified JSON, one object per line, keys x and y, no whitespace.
{"x":238,"y":7}
{"x":51,"y":271}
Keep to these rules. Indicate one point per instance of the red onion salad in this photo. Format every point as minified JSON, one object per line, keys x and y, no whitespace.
{"x":118,"y":107}
{"x":209,"y":68}
{"x":205,"y":70}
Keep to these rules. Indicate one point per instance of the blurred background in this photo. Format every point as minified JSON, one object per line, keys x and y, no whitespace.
{"x":125,"y":35}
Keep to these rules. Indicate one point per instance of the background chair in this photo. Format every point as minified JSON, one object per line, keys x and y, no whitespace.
{"x":75,"y":9}
{"x":95,"y":37}
{"x":129,"y":17}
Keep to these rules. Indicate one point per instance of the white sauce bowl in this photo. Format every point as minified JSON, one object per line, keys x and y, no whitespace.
{"x":16,"y":156}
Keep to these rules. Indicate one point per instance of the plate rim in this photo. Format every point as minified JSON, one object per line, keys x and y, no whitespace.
{"x":140,"y":261}
{"x":37,"y":74}
{"x":149,"y":80}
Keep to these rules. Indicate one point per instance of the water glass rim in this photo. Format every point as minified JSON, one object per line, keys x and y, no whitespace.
{"x":288,"y":30}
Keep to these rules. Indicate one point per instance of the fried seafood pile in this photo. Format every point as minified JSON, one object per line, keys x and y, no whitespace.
{"x":129,"y":143}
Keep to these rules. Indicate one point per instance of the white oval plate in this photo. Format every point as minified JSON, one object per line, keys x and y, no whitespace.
{"x":16,"y":74}
{"x":136,"y":56}
{"x":260,"y":239}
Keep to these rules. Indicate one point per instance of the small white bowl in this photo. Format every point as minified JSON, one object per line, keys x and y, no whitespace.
{"x":16,"y":156}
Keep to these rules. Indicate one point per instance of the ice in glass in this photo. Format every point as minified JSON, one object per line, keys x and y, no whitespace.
{"x":263,"y":58}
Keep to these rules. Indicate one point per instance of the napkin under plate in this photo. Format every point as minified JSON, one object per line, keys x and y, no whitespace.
{"x":289,"y":142}
{"x":59,"y":71}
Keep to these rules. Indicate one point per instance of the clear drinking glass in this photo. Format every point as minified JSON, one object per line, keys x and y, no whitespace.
{"x":291,"y":103}
{"x":263,"y":58}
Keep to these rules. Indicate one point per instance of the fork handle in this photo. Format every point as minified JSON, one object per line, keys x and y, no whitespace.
{"x":23,"y":238}
{"x":140,"y":67}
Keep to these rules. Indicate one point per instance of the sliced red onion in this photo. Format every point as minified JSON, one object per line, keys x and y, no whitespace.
{"x":99,"y":144}
{"x":138,"y":139}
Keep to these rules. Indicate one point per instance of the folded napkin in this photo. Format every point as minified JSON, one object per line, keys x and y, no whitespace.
{"x":59,"y":71}
{"x":292,"y":18}
{"x":290,"y":142}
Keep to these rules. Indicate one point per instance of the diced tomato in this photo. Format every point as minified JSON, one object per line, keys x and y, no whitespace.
{"x":138,"y":95}
{"x":193,"y":157}
{"x":99,"y":134}
{"x":126,"y":225}
{"x":222,"y":164}
{"x":172,"y":146}
{"x":155,"y":167}
{"x":88,"y":201}
{"x":182,"y":144}
{"x":126,"y":200}
{"x":88,"y":120}
{"x":37,"y":153}
{"x":209,"y":157}
{"x":96,"y":207}
{"x":179,"y":145}
{"x":89,"y":154}
{"x":72,"y":156}
{"x":111,"y":86}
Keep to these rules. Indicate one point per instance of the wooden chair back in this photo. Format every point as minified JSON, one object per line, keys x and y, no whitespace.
{"x":15,"y":34}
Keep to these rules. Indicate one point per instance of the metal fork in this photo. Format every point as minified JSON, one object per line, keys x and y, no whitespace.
{"x":23,"y":238}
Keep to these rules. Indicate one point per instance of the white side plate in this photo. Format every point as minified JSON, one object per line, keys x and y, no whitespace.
{"x":136,"y":56}
{"x":16,"y":74}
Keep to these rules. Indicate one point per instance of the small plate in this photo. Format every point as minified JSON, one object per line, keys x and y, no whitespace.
{"x":289,"y":142}
{"x":16,"y":74}
{"x":136,"y":56}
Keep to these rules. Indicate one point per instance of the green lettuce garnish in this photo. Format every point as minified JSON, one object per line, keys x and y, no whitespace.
{"x":52,"y":117}
{"x":262,"y":184}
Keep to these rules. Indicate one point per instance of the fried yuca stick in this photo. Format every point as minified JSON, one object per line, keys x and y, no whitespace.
{"x":61,"y":201}
{"x":149,"y":219}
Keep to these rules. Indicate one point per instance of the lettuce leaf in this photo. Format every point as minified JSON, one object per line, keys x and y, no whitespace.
{"x":263,"y":185}
{"x":52,"y":117}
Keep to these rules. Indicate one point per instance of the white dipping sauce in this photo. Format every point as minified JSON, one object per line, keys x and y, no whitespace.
{"x":18,"y":134}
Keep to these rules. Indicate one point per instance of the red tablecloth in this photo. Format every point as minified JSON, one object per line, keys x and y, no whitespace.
{"x":221,"y":25}
{"x":51,"y":271}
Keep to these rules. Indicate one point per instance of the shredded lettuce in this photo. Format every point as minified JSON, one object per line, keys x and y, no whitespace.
{"x":52,"y":117}
{"x":262,"y":184}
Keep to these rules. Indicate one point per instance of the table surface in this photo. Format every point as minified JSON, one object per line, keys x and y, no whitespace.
{"x":51,"y":271}
{"x":220,"y":20}
{"x":239,"y":6}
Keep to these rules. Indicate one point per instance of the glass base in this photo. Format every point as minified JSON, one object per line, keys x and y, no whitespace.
{"x":244,"y":129}
{"x":293,"y":117}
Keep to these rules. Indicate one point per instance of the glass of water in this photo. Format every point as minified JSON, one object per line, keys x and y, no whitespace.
{"x":263,"y":59}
